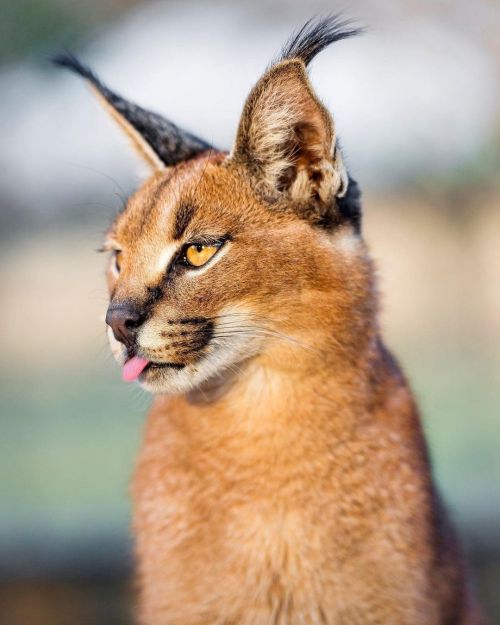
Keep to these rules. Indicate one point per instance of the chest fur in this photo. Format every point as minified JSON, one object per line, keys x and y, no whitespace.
{"x":264,"y":532}
{"x":236,"y":552}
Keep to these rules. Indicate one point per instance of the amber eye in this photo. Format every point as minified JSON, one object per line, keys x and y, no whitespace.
{"x":197,"y":255}
{"x":117,"y":260}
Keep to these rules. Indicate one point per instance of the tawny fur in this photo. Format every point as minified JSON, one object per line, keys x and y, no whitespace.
{"x":303,"y":494}
{"x":283,"y":477}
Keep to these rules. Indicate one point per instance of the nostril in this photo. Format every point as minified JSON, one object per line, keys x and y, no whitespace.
{"x":124,"y":319}
{"x":133,"y":322}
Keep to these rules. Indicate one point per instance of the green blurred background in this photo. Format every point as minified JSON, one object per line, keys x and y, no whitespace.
{"x":416,"y":104}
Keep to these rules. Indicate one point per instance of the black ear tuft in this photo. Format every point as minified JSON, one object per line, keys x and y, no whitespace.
{"x":169,"y":143}
{"x":315,"y":36}
{"x":69,"y":61}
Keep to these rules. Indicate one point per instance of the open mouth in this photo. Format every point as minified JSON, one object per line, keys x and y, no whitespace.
{"x":136,"y":366}
{"x":164,"y":365}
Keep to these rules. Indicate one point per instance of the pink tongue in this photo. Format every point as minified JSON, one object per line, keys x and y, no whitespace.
{"x":133,"y":368}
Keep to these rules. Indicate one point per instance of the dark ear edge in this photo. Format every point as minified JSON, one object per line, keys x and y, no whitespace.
{"x":349,"y":205}
{"x":160,"y":142}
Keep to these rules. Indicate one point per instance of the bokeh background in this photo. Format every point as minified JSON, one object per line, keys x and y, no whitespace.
{"x":415,"y":100}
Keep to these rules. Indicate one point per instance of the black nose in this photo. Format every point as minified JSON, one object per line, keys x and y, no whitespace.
{"x":124,"y":319}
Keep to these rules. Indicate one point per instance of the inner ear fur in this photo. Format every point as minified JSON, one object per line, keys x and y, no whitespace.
{"x":286,"y":138}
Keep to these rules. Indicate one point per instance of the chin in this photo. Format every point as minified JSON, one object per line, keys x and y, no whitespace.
{"x":174,"y":379}
{"x":168,"y":380}
{"x":165,"y":380}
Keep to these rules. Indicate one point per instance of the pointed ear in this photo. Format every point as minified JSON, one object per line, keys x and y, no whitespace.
{"x":157,"y":141}
{"x":286,"y":138}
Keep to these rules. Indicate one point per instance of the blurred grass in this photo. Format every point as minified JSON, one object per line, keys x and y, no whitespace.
{"x":459,"y":401}
{"x":67,"y":447}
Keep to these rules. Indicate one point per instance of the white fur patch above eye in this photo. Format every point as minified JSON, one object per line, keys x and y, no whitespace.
{"x":165,"y":258}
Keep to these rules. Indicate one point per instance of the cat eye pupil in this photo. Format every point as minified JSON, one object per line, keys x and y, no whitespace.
{"x":198,"y":254}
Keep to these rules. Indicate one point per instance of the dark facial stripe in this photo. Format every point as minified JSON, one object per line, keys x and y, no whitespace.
{"x":193,"y":320}
{"x":184,"y":215}
{"x":154,"y":294}
{"x":187,"y":342}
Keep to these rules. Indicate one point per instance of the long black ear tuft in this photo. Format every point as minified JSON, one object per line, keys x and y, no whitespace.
{"x":315,"y":36}
{"x":157,"y":140}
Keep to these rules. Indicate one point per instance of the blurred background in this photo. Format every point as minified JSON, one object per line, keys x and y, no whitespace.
{"x":415,"y":100}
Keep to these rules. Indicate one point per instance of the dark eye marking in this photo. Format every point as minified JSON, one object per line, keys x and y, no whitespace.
{"x":117,"y":260}
{"x":154,"y":294}
{"x":183,"y":217}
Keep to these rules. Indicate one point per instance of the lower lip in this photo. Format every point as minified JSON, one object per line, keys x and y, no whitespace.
{"x":162,"y":365}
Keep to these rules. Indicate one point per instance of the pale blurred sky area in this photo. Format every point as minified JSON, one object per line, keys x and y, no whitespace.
{"x":415,"y":97}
